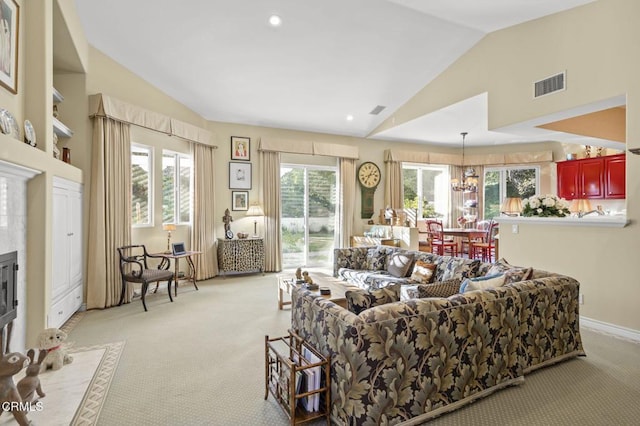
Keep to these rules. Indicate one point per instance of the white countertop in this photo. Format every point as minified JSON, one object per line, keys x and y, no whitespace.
{"x":591,"y":220}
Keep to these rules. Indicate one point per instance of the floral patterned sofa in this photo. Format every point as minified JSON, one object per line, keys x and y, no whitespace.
{"x":412,"y":360}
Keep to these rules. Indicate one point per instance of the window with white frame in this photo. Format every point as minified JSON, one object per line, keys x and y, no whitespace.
{"x":426,"y":188}
{"x":141,"y":173}
{"x":176,"y":188}
{"x":502,"y":182}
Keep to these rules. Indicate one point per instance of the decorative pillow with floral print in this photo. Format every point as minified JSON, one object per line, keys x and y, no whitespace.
{"x":423,"y":272}
{"x":457,"y":267}
{"x":376,"y":259}
{"x":361,"y":300}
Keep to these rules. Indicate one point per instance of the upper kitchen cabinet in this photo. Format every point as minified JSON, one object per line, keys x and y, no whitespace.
{"x":593,"y":178}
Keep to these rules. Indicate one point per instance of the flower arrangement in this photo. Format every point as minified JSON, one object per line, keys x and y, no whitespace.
{"x":545,"y":206}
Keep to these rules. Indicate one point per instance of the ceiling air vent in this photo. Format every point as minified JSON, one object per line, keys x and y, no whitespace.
{"x":555,"y":83}
{"x":377,"y":110}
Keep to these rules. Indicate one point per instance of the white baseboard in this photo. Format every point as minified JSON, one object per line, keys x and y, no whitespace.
{"x":611,"y":329}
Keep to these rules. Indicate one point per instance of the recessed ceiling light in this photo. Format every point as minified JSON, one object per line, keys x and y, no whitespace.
{"x":349,"y":117}
{"x":275,"y":20}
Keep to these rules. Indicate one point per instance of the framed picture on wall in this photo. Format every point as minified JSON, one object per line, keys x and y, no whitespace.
{"x":9,"y":22}
{"x":239,"y":200}
{"x":239,"y":175}
{"x":240,"y":148}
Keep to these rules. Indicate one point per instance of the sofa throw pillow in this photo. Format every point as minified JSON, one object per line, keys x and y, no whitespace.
{"x":515,"y":275}
{"x":399,"y":264}
{"x":376,"y":259}
{"x":482,"y":283}
{"x":441,"y":289}
{"x":500,"y":266}
{"x":423,"y":272}
{"x":458,"y":267}
{"x":359,"y":300}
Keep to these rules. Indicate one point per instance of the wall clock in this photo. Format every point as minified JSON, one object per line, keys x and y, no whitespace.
{"x":369,"y":178}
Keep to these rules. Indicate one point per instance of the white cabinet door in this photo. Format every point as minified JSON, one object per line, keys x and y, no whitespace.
{"x":60,"y":259}
{"x":66,"y":291}
{"x":75,"y":239}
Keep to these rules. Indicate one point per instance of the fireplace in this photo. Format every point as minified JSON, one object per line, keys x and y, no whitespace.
{"x":8,"y":295}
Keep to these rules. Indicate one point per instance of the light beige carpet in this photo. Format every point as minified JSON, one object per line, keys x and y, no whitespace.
{"x":200,"y":361}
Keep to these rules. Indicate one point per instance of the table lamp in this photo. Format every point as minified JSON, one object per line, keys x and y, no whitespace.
{"x":168,"y":227}
{"x":511,"y":206}
{"x":255,"y":211}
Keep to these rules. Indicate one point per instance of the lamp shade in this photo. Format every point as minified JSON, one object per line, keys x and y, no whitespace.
{"x":169,"y":227}
{"x":255,"y":210}
{"x":511,"y":206}
{"x":580,"y":205}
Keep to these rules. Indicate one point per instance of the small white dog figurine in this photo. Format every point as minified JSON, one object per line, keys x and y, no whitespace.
{"x":51,"y":339}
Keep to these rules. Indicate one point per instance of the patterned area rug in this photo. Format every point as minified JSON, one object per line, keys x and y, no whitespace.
{"x":74,"y":395}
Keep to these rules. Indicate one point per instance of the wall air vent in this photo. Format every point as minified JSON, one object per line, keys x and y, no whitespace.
{"x":555,"y":83}
{"x":377,"y":110}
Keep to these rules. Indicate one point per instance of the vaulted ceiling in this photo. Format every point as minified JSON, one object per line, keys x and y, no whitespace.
{"x":328,"y":60}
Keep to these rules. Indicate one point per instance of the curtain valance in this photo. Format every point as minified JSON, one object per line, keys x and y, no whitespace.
{"x":106,"y":106}
{"x":476,"y":159}
{"x":308,"y":147}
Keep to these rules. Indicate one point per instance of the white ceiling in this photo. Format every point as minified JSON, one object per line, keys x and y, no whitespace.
{"x":329,"y":58}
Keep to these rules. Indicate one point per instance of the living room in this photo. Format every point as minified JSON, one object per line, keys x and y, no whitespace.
{"x":53,"y":51}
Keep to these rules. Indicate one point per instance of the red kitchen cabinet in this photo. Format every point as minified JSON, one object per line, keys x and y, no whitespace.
{"x":594,"y":178}
{"x":568,"y":179}
{"x":614,"y":176}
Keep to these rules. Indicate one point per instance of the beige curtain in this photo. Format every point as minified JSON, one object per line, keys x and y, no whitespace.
{"x":347,"y":168}
{"x":109,"y":211}
{"x":270,"y":164}
{"x":203,"y":232}
{"x":393,"y":184}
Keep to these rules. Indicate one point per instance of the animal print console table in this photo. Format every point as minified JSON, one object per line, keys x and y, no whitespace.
{"x":240,"y":255}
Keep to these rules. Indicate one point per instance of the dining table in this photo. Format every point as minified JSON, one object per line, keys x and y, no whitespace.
{"x":469,"y":233}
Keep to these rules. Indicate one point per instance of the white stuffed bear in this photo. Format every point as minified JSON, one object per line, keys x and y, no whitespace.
{"x":51,"y":340}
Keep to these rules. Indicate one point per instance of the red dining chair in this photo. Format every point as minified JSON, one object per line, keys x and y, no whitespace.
{"x":438,"y":242}
{"x":486,"y":250}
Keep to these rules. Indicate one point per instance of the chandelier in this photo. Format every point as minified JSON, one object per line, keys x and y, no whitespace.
{"x":469,"y":181}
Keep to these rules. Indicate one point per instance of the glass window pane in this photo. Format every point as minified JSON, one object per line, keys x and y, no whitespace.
{"x":431,"y":196}
{"x":292,"y":197}
{"x":521,"y":183}
{"x":168,"y":188}
{"x":184,"y":190}
{"x":410,"y":178}
{"x":491,"y":194}
{"x":321,"y":216}
{"x":140,"y":185}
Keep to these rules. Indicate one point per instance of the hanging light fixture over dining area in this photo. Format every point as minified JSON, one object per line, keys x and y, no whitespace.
{"x":469,"y":179}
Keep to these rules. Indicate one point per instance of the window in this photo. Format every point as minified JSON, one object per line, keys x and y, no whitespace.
{"x":140,"y":185}
{"x":426,"y":188}
{"x":308,"y":222}
{"x":176,"y":188}
{"x":502,"y":182}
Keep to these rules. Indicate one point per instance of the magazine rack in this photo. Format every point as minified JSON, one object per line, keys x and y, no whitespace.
{"x":298,"y":377}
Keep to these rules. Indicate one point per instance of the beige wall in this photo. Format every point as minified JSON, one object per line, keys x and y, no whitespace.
{"x":594,"y":43}
{"x":597,"y":45}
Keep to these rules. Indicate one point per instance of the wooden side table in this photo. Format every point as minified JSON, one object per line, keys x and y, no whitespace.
{"x":241,"y":255}
{"x":191,"y":273}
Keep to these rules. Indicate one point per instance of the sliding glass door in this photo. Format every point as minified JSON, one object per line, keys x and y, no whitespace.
{"x":308,"y":195}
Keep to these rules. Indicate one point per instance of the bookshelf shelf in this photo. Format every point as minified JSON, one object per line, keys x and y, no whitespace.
{"x":298,"y":377}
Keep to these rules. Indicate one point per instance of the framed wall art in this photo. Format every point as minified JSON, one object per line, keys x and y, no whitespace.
{"x":240,"y":200}
{"x":240,"y":148}
{"x":9,"y":23}
{"x":239,"y":175}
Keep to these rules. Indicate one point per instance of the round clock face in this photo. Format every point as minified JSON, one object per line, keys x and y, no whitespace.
{"x":369,"y":174}
{"x":229,"y":234}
